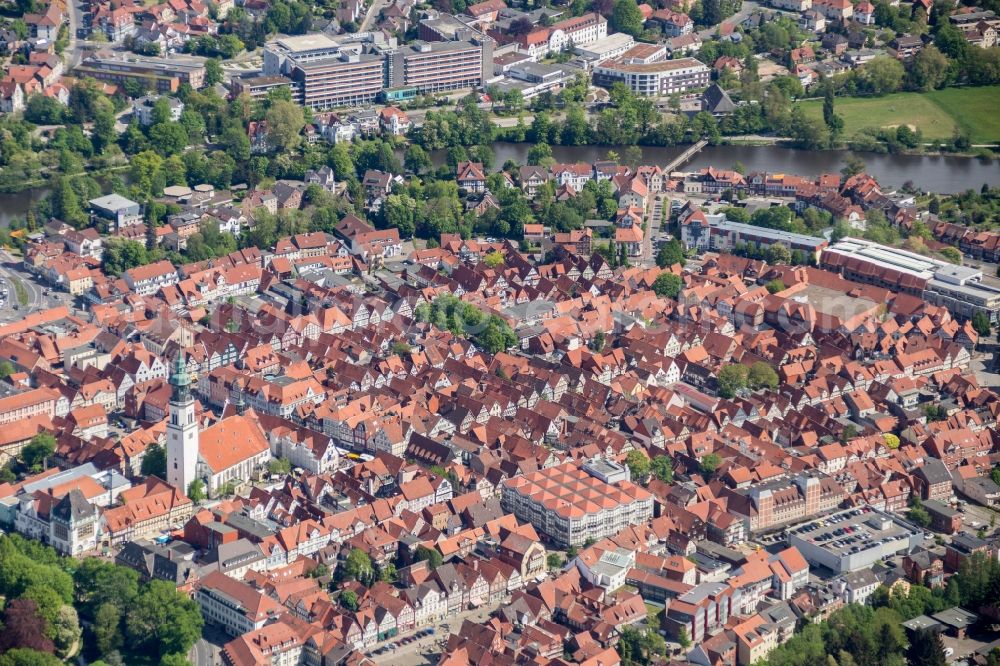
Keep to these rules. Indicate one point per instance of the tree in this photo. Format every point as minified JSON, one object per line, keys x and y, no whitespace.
{"x":891,"y":440}
{"x":213,"y":71}
{"x":808,"y":133}
{"x":168,"y":138}
{"x":663,"y":469}
{"x":349,"y":600}
{"x":882,"y":75}
{"x":43,"y":110}
{"x":778,"y":254}
{"x":981,"y":322}
{"x":196,"y":490}
{"x":21,"y":623}
{"x":762,"y":375}
{"x":284,"y":126}
{"x":667,"y":284}
{"x":709,"y":463}
{"x":107,"y":629}
{"x":388,"y":573}
{"x":65,"y":630}
{"x":6,"y":369}
{"x":174,"y":659}
{"x":98,"y":584}
{"x":279,"y":466}
{"x":29,"y":657}
{"x":928,"y":69}
{"x":597,"y":344}
{"x":917,"y":513}
{"x":119,"y":256}
{"x":493,"y":259}
{"x":638,"y":465}
{"x":48,"y":603}
{"x":682,"y":638}
{"x":162,"y":620}
{"x":834,"y":123}
{"x":554,"y":561}
{"x":670,"y":253}
{"x":716,"y":11}
{"x":154,"y":462}
{"x":731,"y":379}
{"x":926,"y":649}
{"x":398,"y":212}
{"x":38,"y":450}
{"x":429,"y":555}
{"x":951,"y":254}
{"x":983,"y":66}
{"x":358,"y":565}
{"x":774,"y":286}
{"x":539,"y":153}
{"x":415,"y":159}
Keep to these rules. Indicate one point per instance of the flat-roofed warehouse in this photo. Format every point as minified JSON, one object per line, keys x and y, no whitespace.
{"x":854,"y":539}
{"x":960,"y":289}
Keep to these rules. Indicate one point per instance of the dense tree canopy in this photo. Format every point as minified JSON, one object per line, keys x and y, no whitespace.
{"x":461,"y":318}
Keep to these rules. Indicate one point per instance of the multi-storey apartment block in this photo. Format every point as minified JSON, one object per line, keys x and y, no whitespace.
{"x":570,"y":505}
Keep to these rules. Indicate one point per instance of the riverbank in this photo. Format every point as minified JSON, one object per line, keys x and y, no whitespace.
{"x":46,"y":182}
{"x":941,"y":173}
{"x":987,"y":152}
{"x":15,"y":203}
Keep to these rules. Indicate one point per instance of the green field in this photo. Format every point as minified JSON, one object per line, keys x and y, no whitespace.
{"x":936,"y":114}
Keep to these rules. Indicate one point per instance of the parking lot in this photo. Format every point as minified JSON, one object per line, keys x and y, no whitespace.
{"x":420,"y":650}
{"x":413,"y":650}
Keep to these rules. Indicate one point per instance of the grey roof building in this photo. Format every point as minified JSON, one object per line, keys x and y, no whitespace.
{"x":170,"y":562}
{"x":716,"y":101}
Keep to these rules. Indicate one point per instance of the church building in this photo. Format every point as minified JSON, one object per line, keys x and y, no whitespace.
{"x":229,"y":450}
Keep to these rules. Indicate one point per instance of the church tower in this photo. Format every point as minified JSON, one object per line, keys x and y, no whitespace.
{"x":182,"y":430}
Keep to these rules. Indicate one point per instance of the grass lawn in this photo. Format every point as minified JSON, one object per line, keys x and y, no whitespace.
{"x":653,"y":614}
{"x":936,"y":114}
{"x":20,"y":291}
{"x":974,"y":110}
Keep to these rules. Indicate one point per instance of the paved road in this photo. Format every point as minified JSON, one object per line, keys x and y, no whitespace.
{"x":206,"y":652}
{"x":745,"y":11}
{"x":74,"y":24}
{"x":984,"y":368}
{"x":76,"y":47}
{"x":417,"y":117}
{"x":203,"y":653}
{"x":11,"y":272}
{"x":12,"y":275}
{"x":372,"y":13}
{"x":661,"y":206}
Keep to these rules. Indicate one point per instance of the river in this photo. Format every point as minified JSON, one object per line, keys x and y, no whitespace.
{"x":16,"y":205}
{"x":932,"y":173}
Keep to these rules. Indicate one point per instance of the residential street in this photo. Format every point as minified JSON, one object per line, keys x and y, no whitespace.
{"x":660,"y":207}
{"x":748,"y":8}
{"x":12,"y":274}
{"x":372,"y":13}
